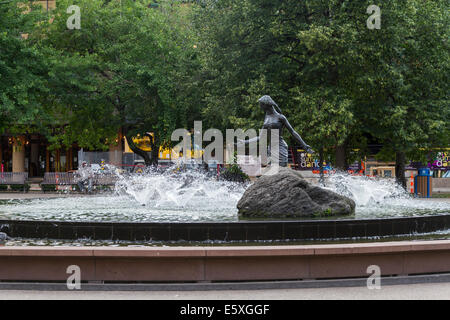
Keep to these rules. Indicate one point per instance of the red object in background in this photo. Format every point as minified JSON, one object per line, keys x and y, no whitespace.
{"x":3,"y":168}
{"x":318,"y":171}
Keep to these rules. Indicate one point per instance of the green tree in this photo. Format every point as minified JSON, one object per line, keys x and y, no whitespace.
{"x":122,"y":69}
{"x":23,"y":69}
{"x":293,"y":50}
{"x":333,"y":76}
{"x":401,"y":90}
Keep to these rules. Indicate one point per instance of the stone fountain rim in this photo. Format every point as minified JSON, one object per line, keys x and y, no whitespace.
{"x":243,"y":221}
{"x":247,"y":231}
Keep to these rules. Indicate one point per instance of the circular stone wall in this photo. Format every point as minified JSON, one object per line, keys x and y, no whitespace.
{"x":227,"y":231}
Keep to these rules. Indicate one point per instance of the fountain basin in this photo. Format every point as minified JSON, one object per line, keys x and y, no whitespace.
{"x":195,"y":208}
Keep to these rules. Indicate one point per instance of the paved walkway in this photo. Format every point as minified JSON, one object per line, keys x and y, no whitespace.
{"x":38,"y":195}
{"x":431,"y":291}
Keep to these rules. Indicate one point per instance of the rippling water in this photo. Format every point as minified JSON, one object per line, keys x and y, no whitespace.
{"x":195,"y":197}
{"x":382,"y":197}
{"x":438,"y":235}
{"x":151,"y":197}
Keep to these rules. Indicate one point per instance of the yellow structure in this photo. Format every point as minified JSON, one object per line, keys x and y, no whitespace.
{"x":18,"y":154}
{"x":144,"y":143}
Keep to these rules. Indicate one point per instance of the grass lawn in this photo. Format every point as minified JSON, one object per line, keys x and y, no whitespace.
{"x":441,"y":195}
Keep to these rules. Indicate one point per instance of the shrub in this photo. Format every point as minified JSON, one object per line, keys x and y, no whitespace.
{"x":3,"y":187}
{"x":103,"y":188}
{"x":48,"y":187}
{"x":20,"y":187}
{"x":234,"y":173}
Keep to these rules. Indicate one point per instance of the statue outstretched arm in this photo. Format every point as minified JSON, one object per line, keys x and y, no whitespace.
{"x":297,"y":137}
{"x":246,"y":142}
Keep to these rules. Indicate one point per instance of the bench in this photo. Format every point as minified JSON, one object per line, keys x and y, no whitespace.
{"x":70,"y":179}
{"x":104,"y":180}
{"x":14,"y":179}
{"x":59,"y":178}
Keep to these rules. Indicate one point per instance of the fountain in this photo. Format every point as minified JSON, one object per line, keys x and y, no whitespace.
{"x":179,"y":205}
{"x":192,"y":206}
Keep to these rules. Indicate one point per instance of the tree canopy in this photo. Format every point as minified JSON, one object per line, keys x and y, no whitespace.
{"x":141,"y":67}
{"x":333,"y":76}
{"x":23,"y":70}
{"x":121,"y":69}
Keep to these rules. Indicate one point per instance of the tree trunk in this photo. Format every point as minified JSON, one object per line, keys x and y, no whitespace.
{"x":400,"y":160}
{"x":341,"y":158}
{"x":155,"y":150}
{"x":321,"y":179}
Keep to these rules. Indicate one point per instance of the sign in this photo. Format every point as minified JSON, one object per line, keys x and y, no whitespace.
{"x":442,"y":162}
{"x":305,"y":161}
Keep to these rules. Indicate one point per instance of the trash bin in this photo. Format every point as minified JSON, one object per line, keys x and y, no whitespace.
{"x":423,"y":186}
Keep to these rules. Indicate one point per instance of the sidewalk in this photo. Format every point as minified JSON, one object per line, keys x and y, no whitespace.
{"x":39,"y":195}
{"x":432,"y":291}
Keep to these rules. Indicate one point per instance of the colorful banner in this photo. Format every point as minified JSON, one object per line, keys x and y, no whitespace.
{"x":305,"y":161}
{"x":442,"y":162}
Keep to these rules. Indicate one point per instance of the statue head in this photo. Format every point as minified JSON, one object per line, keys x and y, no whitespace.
{"x":267,"y":102}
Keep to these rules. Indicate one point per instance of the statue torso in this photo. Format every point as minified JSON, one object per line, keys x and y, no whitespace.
{"x":273,"y":121}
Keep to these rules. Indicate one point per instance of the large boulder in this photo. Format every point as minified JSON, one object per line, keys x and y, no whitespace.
{"x":287,"y":195}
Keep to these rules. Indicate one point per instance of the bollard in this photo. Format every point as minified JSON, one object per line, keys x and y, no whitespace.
{"x":412,"y":183}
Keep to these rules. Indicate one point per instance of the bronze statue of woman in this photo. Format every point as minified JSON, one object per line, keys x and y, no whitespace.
{"x":275,"y":120}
